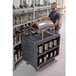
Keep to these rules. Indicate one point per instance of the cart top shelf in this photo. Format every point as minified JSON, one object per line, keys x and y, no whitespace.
{"x":37,"y":37}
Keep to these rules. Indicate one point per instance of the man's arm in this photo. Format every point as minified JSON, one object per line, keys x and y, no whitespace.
{"x":57,"y":17}
{"x":44,"y":17}
{"x":56,"y":23}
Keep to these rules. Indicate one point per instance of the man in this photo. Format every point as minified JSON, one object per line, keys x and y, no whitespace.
{"x":54,"y":16}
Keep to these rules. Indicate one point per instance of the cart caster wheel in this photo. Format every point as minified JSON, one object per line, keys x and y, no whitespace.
{"x":37,"y":69}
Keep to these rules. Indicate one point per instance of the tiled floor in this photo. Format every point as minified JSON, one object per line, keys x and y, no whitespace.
{"x":55,"y":69}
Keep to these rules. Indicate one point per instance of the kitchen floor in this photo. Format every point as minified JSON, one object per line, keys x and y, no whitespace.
{"x":57,"y":68}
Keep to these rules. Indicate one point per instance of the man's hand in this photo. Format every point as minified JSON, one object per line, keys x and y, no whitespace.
{"x":40,"y":15}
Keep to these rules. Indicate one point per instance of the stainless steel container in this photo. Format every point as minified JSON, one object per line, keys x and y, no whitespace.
{"x":39,"y":26}
{"x":29,"y":3}
{"x":42,"y":25}
{"x":37,"y":2}
{"x":41,"y":2}
{"x":17,"y":20}
{"x":22,"y":2}
{"x":37,"y":14}
{"x":31,"y":16}
{"x":45,"y":2}
{"x":22,"y":19}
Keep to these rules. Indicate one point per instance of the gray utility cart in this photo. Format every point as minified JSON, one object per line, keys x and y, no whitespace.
{"x":40,"y":47}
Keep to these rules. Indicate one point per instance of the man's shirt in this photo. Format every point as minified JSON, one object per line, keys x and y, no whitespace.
{"x":54,"y":15}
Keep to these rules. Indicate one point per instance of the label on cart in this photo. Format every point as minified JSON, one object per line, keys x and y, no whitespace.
{"x":45,"y":59}
{"x":46,"y":46}
{"x":50,"y":44}
{"x":55,"y":42}
{"x":51,"y":54}
{"x":54,"y":52}
{"x":40,"y":60}
{"x":15,"y":57}
{"x":40,"y":49}
{"x":47,"y":56}
{"x":19,"y":54}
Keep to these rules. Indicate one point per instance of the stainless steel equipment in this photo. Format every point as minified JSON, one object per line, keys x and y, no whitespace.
{"x":42,"y":27}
